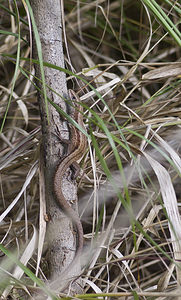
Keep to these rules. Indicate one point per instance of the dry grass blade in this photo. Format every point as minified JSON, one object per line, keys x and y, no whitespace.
{"x":171,"y":206}
{"x":25,"y":257}
{"x":163,"y":72}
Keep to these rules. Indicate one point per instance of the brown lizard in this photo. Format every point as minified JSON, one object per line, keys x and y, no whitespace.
{"x":78,"y":146}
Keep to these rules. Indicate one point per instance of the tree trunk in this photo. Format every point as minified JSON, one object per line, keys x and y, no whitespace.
{"x":60,"y":236}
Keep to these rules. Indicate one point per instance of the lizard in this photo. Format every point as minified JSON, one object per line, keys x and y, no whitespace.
{"x":78,"y":146}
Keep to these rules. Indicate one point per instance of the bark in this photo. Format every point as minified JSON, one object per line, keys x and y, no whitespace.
{"x":60,"y":234}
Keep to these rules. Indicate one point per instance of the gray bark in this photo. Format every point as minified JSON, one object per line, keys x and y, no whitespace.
{"x":60,"y":235}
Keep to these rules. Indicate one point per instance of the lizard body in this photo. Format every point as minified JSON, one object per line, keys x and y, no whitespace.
{"x":78,"y":147}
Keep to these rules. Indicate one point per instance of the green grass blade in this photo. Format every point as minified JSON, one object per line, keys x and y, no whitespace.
{"x":164,"y":20}
{"x":27,"y":271}
{"x":174,"y":5}
{"x":40,"y":56}
{"x":16,"y":70}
